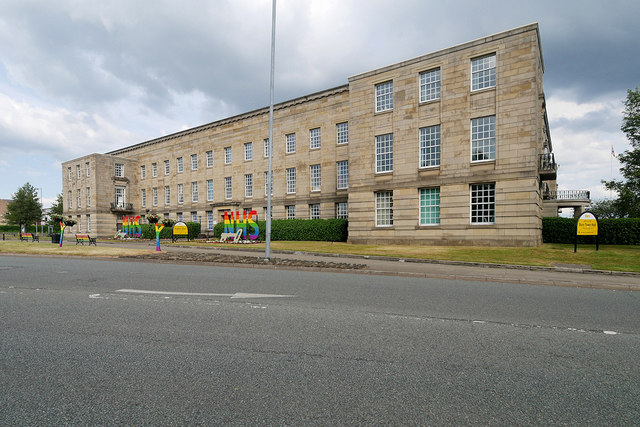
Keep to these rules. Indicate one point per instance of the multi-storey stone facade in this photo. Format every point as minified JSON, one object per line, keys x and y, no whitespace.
{"x":452,"y":147}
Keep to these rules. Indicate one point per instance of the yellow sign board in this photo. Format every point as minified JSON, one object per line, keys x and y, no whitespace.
{"x":180,"y":229}
{"x":587,"y":225}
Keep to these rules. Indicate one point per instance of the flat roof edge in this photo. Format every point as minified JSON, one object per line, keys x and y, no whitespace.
{"x":462,"y":46}
{"x":263,"y":110}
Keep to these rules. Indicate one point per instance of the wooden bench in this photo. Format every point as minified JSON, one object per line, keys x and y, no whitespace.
{"x":26,"y":236}
{"x":81,"y":238}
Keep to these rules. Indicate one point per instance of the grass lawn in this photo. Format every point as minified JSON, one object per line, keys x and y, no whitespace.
{"x":48,"y":248}
{"x":618,"y":258}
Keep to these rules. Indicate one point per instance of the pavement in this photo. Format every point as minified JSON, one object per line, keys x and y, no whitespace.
{"x":242,"y":256}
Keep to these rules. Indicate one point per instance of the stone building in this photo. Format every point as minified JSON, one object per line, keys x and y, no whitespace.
{"x":452,"y":147}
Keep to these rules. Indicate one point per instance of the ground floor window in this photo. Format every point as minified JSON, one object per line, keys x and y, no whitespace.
{"x":209,"y":220}
{"x":483,"y":203}
{"x":88,"y":222}
{"x":430,"y":206}
{"x":384,"y":208}
{"x":291,"y":211}
{"x":342,"y":210}
{"x":314,"y":211}
{"x":194,"y":216}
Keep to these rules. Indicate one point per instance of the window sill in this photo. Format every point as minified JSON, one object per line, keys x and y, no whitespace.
{"x":483,"y":162}
{"x":484,"y":89}
{"x":427,"y":226}
{"x":430,"y":101}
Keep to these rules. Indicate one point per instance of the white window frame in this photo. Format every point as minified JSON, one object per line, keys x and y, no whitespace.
{"x":384,"y":96}
{"x":209,"y":155}
{"x":88,"y":167}
{"x":228,"y":188}
{"x":194,"y":162}
{"x":209,"y":220}
{"x":290,"y":139}
{"x":290,"y":211}
{"x":209,"y":190}
{"x":266,"y":184}
{"x":167,"y":195}
{"x":123,"y":191}
{"x":70,"y":173}
{"x":266,"y":147}
{"x":482,"y":203}
{"x":143,"y":172}
{"x":78,"y":171}
{"x":179,"y":165}
{"x":314,"y":211}
{"x":342,"y":210}
{"x":248,"y":151}
{"x":194,"y":216}
{"x":79,"y":197}
{"x":315,"y":138}
{"x":154,"y":194}
{"x":384,"y":208}
{"x":483,"y":139}
{"x":70,"y":198}
{"x":227,"y":155}
{"x":154,"y":170}
{"x":429,"y":153}
{"x":248,"y":185}
{"x":342,"y":170}
{"x":315,"y":177}
{"x":180,"y":193}
{"x":483,"y":72}
{"x":342,"y":133}
{"x":291,"y":180}
{"x":88,"y":197}
{"x":167,"y":167}
{"x":119,"y":170}
{"x":429,"y":211}
{"x":194,"y":191}
{"x":430,"y":85}
{"x":384,"y":153}
{"x":143,"y":197}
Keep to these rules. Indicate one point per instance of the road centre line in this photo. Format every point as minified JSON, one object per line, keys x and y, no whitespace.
{"x":236,"y":295}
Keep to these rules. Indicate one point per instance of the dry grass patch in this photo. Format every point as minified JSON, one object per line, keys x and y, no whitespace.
{"x":47,"y":248}
{"x":617,"y":258}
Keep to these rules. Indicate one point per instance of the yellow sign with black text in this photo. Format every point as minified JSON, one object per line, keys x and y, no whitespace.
{"x":587,"y":225}
{"x":180,"y":229}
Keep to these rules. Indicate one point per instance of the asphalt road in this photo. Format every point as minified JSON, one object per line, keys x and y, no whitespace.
{"x":81,"y":345}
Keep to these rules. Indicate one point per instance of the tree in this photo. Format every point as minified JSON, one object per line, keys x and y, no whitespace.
{"x":628,"y":202}
{"x":57,"y":206}
{"x":56,"y":209}
{"x":25,"y":208}
{"x":604,"y":209}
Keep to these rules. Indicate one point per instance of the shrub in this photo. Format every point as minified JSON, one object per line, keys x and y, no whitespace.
{"x":149,"y":231}
{"x":327,"y":230}
{"x":620,"y":231}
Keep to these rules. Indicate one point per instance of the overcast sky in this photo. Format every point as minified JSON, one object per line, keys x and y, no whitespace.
{"x":84,"y":76}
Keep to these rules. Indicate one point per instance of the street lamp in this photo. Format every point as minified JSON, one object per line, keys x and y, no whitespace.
{"x":267,"y":248}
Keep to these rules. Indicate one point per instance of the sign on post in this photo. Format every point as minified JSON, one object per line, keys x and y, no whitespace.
{"x":587,"y":226}
{"x":180,"y":229}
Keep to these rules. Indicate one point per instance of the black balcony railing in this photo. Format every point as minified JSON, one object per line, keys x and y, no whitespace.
{"x":584,"y":195}
{"x":121,"y":207}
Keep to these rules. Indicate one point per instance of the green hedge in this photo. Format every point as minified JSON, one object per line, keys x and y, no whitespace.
{"x":621,"y":231}
{"x":149,"y":231}
{"x":327,"y":230}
